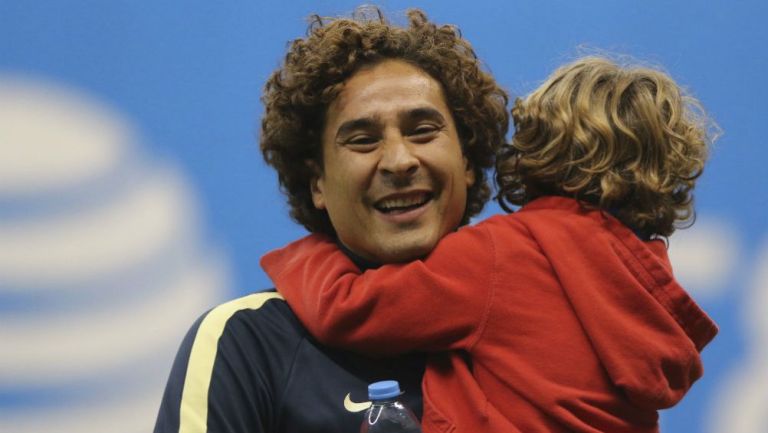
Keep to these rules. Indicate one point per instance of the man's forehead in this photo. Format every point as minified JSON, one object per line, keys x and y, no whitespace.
{"x":390,"y":80}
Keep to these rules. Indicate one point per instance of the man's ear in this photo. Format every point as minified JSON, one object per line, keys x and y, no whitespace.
{"x":316,"y":186}
{"x":469,"y":173}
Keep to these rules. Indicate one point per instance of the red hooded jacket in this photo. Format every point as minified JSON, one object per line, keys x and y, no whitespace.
{"x":570,"y":321}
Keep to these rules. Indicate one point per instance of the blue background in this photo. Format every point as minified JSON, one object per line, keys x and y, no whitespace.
{"x":188,"y":76}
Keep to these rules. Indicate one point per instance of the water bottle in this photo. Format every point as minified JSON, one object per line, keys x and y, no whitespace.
{"x":387,"y":414}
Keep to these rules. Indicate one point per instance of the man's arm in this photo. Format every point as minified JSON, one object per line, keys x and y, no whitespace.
{"x":436,"y":304}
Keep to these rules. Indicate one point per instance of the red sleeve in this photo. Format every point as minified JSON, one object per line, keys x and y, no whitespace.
{"x":435,"y":304}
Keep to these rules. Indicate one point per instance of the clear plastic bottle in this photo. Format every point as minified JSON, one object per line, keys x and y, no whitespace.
{"x":387,"y":414}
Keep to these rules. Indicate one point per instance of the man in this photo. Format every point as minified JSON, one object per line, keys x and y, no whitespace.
{"x":380,"y":136}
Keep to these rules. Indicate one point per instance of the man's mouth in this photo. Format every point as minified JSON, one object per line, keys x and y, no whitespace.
{"x":402,"y":203}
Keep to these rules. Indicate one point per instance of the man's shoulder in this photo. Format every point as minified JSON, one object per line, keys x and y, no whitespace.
{"x":257,"y":330}
{"x":250,"y":360}
{"x":257,"y":316}
{"x":253,"y":337}
{"x":267,"y":310}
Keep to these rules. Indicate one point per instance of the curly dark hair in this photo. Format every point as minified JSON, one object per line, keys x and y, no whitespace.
{"x":297,"y":95}
{"x":624,"y":138}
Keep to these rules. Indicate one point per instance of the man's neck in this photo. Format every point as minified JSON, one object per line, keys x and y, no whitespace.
{"x":362,"y":263}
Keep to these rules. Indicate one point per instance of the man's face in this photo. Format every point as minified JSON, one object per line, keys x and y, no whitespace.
{"x":394,"y":179}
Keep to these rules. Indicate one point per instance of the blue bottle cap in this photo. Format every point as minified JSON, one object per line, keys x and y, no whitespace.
{"x":383,"y":390}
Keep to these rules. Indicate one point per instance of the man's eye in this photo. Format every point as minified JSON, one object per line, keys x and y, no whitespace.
{"x":424,"y":131}
{"x":362,"y":139}
{"x":362,"y":143}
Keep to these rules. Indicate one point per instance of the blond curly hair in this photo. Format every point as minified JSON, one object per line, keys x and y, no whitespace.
{"x":626,"y":139}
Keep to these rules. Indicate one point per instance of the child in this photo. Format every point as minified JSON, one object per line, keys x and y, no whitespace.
{"x":567,"y":309}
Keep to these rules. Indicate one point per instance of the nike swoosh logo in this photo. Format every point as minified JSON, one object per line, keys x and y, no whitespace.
{"x":354,"y":407}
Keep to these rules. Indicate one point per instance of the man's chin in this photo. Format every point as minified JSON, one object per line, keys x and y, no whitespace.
{"x":404,"y":251}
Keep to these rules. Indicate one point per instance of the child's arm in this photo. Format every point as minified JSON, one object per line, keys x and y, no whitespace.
{"x":436,"y":304}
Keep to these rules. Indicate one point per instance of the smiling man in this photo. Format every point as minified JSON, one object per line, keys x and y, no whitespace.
{"x":394,"y":179}
{"x":381,"y":136}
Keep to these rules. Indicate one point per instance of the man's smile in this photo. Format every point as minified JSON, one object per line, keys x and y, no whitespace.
{"x":403,"y":202}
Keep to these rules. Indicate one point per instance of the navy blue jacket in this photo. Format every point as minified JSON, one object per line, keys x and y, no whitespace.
{"x":249,"y":366}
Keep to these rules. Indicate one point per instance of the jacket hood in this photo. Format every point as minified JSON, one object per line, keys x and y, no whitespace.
{"x":652,"y":348}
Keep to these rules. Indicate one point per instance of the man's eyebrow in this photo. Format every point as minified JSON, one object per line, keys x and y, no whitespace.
{"x":355,"y":124}
{"x":423,"y":113}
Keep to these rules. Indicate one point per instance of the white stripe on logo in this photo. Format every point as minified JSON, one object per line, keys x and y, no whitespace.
{"x":354,"y":407}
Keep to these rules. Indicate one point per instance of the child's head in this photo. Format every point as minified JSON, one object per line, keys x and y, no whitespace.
{"x":625,"y":139}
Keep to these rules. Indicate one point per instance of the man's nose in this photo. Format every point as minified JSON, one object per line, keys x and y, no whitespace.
{"x":398,"y":158}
